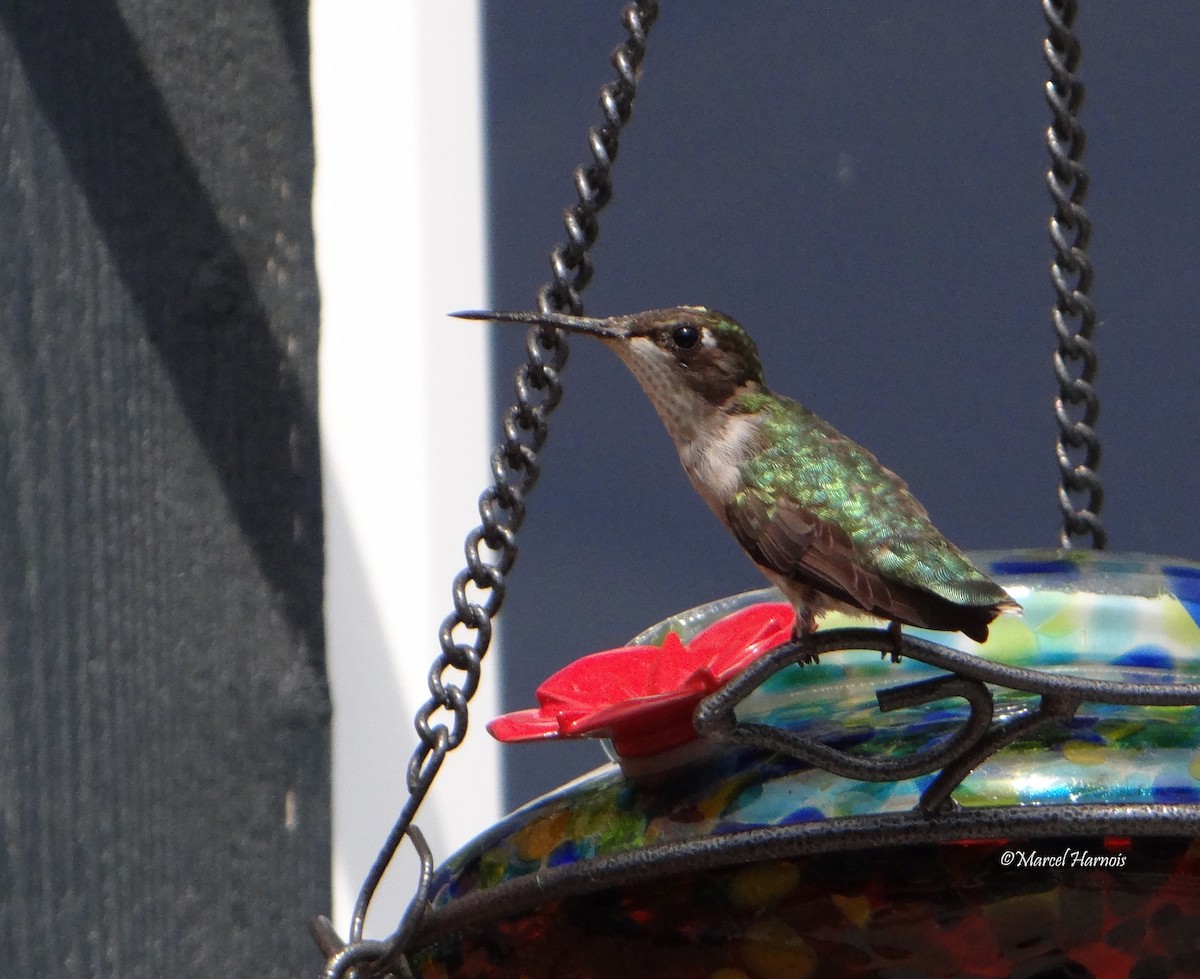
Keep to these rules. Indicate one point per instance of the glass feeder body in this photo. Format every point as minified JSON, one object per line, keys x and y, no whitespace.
{"x":761,"y":864}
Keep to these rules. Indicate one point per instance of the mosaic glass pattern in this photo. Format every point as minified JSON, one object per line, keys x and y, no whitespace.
{"x":1116,"y":617}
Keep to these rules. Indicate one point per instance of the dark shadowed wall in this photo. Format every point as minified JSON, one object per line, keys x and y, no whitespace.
{"x":163,"y":709}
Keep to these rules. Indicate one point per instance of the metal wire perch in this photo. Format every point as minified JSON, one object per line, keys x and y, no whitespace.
{"x":979,"y":736}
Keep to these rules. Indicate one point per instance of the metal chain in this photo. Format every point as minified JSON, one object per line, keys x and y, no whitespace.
{"x":441,"y":723}
{"x":1077,"y":406}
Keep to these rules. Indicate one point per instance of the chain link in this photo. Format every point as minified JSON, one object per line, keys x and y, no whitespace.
{"x":1076,"y":408}
{"x":441,"y":723}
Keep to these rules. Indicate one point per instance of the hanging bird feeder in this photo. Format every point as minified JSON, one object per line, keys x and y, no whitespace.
{"x":853,"y":801}
{"x":847,"y":819}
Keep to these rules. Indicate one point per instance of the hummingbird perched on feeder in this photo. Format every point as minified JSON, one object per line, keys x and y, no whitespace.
{"x":817,"y":513}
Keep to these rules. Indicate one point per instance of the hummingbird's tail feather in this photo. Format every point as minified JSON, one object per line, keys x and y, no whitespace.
{"x":969,"y":607}
{"x":929,"y":610}
{"x":978,"y":592}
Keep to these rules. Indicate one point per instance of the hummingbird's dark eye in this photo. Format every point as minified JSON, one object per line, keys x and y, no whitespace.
{"x":685,"y":337}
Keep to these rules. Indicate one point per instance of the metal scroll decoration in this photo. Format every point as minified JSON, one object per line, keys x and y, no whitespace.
{"x":968,"y":676}
{"x":454,"y":676}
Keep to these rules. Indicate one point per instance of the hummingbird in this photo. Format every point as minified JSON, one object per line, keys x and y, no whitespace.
{"x":817,"y":513}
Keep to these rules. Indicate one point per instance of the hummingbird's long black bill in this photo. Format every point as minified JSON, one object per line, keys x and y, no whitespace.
{"x":563,"y":321}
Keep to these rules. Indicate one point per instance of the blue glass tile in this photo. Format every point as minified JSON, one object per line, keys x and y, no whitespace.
{"x":1147,"y":657}
{"x":1016,"y":566}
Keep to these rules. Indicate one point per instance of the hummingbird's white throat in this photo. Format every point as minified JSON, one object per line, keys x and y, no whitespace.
{"x":683,"y":410}
{"x":712,"y":444}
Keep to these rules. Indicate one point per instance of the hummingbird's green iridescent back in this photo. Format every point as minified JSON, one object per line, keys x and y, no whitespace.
{"x":815,"y":503}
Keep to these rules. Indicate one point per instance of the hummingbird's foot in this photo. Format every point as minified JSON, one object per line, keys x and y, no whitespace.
{"x":897,"y":642}
{"x":806,"y":625}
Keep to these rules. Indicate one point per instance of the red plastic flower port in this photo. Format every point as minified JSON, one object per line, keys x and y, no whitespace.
{"x":642,"y":697}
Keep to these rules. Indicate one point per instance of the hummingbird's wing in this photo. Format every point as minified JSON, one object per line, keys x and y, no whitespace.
{"x":789,"y":539}
{"x":793,"y":541}
{"x":820,"y":512}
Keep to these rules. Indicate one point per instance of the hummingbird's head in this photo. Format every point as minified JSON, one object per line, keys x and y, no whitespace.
{"x":689,"y":347}
{"x":689,"y":360}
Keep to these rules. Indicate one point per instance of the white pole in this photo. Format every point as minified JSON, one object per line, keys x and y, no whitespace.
{"x":400,"y":231}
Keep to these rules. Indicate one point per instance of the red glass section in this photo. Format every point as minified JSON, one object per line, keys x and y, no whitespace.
{"x":990,"y":910}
